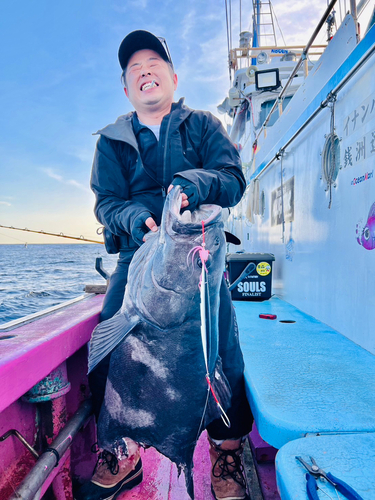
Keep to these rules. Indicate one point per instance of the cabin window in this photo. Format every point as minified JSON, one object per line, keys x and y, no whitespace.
{"x":266,"y":107}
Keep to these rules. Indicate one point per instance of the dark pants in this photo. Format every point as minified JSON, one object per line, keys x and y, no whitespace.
{"x":239,"y":413}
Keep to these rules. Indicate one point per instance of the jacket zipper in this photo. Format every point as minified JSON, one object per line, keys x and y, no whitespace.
{"x":165,"y":154}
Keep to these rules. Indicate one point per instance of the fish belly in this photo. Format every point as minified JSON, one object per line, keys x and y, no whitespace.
{"x":157,"y":393}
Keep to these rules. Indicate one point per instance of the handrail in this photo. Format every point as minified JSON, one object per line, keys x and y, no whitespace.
{"x":249,"y":52}
{"x":322,"y":105}
{"x":15,"y":323}
{"x":297,"y":66}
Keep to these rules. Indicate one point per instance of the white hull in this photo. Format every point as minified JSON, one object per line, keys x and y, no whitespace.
{"x":321,"y":264}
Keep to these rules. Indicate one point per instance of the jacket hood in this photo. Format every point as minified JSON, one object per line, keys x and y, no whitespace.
{"x":122,"y":129}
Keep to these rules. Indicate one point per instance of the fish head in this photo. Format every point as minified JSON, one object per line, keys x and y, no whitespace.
{"x":368,"y":234}
{"x":182,"y":235}
{"x":164,"y":275}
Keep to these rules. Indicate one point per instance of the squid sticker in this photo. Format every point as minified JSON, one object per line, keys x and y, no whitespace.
{"x":366,"y":234}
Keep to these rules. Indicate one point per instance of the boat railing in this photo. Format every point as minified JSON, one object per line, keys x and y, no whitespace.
{"x":11,"y":325}
{"x":248,"y":53}
{"x":299,"y":63}
{"x":331,"y":96}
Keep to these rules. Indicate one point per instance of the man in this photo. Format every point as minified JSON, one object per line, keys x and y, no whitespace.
{"x":137,"y":161}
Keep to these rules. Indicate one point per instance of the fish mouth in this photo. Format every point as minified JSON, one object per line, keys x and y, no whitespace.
{"x":207,"y":214}
{"x":175,"y":222}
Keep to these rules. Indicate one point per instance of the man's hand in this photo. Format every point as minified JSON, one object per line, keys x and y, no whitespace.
{"x":184,"y":202}
{"x":151,"y":224}
{"x":141,"y":225}
{"x":190,"y":196}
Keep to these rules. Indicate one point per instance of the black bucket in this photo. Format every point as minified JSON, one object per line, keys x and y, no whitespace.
{"x":250,"y":275}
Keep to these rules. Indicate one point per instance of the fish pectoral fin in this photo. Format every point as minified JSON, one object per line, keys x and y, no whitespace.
{"x":107,"y":335}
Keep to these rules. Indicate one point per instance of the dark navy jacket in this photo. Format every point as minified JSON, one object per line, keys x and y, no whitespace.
{"x":193,"y":144}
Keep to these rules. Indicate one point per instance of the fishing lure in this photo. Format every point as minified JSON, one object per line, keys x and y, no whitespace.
{"x":203,"y":286}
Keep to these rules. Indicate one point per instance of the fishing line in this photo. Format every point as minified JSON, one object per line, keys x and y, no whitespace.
{"x":13,"y":238}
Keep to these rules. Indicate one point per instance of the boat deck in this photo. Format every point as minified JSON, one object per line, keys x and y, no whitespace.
{"x":161,"y":480}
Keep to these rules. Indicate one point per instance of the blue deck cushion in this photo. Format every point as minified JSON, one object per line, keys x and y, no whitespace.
{"x":303,"y":377}
{"x":349,"y":457}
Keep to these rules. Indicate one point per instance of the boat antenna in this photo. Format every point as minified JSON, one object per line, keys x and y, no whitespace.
{"x":229,"y":35}
{"x":277,"y":22}
{"x":59,"y":235}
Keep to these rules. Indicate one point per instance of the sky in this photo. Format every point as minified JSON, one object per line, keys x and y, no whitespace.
{"x":60,"y":83}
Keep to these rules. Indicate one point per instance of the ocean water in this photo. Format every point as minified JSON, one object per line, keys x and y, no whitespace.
{"x":36,"y":277}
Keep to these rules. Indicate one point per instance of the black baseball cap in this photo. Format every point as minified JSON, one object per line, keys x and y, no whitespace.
{"x":140,"y":40}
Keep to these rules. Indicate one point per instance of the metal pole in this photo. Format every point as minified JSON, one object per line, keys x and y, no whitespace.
{"x":48,"y":460}
{"x":322,"y":106}
{"x":301,"y":59}
{"x":353,"y":11}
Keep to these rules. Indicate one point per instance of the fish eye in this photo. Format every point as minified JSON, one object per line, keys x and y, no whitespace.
{"x":208,"y":262}
{"x":217,"y":241}
{"x":366,"y":233}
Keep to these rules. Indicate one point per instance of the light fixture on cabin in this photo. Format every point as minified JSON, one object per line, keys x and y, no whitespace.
{"x":289,"y":56}
{"x":250,"y":72}
{"x":267,"y":79}
{"x":262,"y":58}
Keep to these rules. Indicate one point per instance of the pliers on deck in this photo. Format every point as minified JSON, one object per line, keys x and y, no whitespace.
{"x":314,"y":472}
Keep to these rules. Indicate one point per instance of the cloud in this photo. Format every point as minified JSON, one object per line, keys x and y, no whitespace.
{"x":71,"y":182}
{"x":53,"y":175}
{"x":84,"y":155}
{"x":188,"y":24}
{"x":5,"y":203}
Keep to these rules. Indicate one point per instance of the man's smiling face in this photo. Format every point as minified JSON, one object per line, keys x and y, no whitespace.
{"x":150,"y":82}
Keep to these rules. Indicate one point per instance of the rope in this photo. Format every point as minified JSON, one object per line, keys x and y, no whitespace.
{"x":332,"y":167}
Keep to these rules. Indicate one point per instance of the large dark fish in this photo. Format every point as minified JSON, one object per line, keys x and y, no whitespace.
{"x":156,"y":392}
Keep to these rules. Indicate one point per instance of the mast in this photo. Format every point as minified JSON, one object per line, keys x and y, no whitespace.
{"x":256,"y":23}
{"x":263,"y":25}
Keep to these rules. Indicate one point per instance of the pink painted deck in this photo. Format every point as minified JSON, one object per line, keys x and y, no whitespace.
{"x":161,"y":481}
{"x":31,"y":352}
{"x":264,"y":460}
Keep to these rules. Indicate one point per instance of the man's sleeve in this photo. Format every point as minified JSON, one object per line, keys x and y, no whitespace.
{"x":221,"y":180}
{"x":113,"y":208}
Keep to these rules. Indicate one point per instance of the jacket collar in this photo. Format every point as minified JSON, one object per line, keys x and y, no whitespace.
{"x":122,"y":129}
